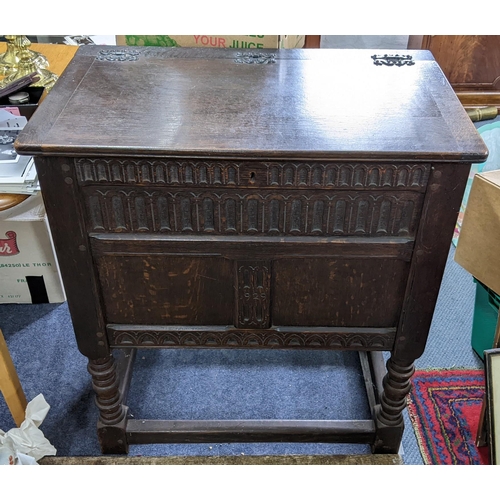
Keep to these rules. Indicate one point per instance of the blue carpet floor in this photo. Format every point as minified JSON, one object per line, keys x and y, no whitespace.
{"x":191,"y":384}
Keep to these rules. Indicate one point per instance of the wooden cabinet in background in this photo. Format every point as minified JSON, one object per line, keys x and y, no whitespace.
{"x":312,"y":42}
{"x":470,"y":62}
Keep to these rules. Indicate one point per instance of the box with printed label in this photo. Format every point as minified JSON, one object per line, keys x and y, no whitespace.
{"x":29,"y":272}
{"x":215,"y":41}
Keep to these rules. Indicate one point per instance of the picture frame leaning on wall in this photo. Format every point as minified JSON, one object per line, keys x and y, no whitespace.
{"x":482,"y":428}
{"x":492,"y":387}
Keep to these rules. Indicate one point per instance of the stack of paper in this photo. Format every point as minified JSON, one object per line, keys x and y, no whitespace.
{"x":17,"y":173}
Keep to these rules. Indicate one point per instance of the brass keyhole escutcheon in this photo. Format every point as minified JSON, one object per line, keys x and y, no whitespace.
{"x":252,"y":177}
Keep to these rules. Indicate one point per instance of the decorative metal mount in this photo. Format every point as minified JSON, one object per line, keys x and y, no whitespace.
{"x":254,"y":58}
{"x":118,"y":55}
{"x":393,"y":60}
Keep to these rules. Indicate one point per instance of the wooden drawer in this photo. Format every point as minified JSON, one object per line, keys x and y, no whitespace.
{"x":254,"y":173}
{"x":252,"y":198}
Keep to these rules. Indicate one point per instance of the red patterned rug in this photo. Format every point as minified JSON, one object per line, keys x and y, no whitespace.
{"x":444,"y":408}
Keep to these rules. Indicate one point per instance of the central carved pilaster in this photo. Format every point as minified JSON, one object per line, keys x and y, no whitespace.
{"x":253,"y":294}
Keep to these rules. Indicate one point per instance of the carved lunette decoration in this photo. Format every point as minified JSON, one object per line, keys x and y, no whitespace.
{"x":336,"y":213}
{"x":193,"y":173}
{"x":259,"y":339}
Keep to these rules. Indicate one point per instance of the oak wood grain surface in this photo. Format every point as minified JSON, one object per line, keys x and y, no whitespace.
{"x":199,"y":101}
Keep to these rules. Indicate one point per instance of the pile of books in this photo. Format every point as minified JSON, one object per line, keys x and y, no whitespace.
{"x":17,"y":173}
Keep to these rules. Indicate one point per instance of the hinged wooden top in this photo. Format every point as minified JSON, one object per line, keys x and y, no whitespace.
{"x":331,"y":104}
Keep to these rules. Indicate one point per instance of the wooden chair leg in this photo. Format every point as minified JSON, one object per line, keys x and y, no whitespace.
{"x":10,"y":386}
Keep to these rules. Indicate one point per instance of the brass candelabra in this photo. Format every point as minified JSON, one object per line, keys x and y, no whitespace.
{"x":19,"y":60}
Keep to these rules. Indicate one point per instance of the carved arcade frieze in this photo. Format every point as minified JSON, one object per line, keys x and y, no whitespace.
{"x":192,"y":173}
{"x":251,"y":212}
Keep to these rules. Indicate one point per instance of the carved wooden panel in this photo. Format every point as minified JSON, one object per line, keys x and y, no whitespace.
{"x":145,"y":289}
{"x":194,"y":173}
{"x":157,"y":172}
{"x":252,"y":212}
{"x":183,"y":282}
{"x":347,"y":175}
{"x":338,"y":292}
{"x":275,"y":338}
{"x":254,"y":294}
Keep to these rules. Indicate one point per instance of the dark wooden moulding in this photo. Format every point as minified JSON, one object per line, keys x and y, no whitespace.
{"x":284,"y":209}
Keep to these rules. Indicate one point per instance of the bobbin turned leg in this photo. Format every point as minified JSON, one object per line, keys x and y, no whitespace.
{"x":389,"y":413}
{"x":112,"y":413}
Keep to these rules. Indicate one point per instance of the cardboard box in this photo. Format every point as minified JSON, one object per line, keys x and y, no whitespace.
{"x":29,"y":272}
{"x":478,"y":248}
{"x":490,"y":133}
{"x":215,"y":41}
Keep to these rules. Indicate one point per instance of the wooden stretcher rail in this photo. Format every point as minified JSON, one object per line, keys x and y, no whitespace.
{"x":247,"y":431}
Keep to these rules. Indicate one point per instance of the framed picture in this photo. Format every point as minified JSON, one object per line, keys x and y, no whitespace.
{"x":492,"y":379}
{"x":482,"y":429}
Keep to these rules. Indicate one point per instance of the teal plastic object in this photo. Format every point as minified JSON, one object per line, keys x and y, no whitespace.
{"x":485,"y":318}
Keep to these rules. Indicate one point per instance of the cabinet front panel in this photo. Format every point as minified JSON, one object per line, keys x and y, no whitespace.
{"x":310,"y":282}
{"x":338,"y":292}
{"x":151,"y":289}
{"x":262,"y":198}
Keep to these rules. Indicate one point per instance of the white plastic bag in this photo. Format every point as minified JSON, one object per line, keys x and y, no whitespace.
{"x":27,"y":444}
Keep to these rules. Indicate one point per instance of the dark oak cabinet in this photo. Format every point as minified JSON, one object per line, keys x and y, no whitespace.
{"x":260,"y":200}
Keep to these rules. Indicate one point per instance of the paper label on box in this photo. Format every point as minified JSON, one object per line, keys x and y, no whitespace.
{"x":8,"y":246}
{"x":210,"y":41}
{"x":28,"y":265}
